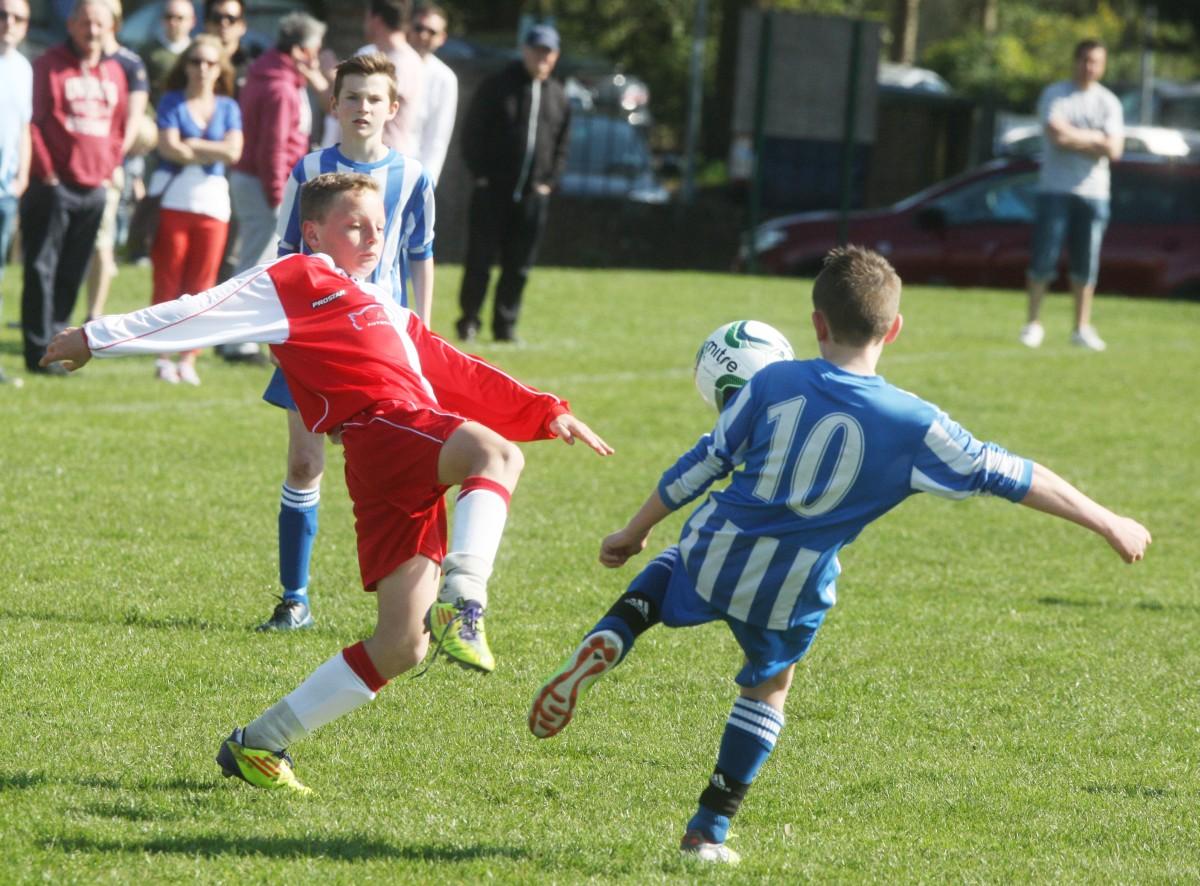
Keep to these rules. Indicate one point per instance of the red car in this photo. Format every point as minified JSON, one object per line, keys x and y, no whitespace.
{"x":974,"y":230}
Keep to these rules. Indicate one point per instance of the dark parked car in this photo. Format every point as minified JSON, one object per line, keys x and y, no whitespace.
{"x":608,"y":157}
{"x":974,"y":230}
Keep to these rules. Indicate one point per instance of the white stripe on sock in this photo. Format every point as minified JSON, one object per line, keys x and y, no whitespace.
{"x":299,"y":499}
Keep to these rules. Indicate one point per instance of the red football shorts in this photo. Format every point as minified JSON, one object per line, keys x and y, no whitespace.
{"x":392,"y":454}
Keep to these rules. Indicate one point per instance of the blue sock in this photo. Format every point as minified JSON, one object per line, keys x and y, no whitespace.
{"x":297,"y":530}
{"x":750,"y":735}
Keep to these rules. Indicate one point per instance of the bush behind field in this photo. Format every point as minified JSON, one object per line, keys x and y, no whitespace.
{"x":996,"y":697}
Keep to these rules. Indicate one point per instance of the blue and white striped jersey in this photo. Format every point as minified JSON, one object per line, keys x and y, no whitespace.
{"x":407,"y":200}
{"x":824,"y":452}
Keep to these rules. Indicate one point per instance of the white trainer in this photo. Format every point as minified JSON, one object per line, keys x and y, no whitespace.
{"x":166,"y":370}
{"x":1032,"y":334}
{"x":694,"y":846}
{"x":1086,"y":337}
{"x":188,"y":374}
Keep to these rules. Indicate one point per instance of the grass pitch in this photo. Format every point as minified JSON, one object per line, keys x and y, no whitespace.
{"x":995,"y":698}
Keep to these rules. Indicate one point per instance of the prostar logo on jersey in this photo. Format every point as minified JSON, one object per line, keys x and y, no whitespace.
{"x":371,"y":315}
{"x":326,"y":299}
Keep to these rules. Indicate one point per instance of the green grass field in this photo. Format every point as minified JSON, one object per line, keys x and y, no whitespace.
{"x":996,"y":698}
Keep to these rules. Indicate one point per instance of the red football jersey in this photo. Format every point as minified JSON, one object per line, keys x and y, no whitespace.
{"x":343,"y":346}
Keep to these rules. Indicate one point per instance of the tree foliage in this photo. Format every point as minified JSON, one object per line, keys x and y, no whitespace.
{"x":1030,"y":47}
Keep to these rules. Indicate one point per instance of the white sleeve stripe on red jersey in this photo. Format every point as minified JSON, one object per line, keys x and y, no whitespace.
{"x":175,"y":323}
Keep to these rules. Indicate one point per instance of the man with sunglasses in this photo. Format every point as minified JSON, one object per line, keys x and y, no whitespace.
{"x":226,"y":19}
{"x":16,"y":108}
{"x":439,"y":100}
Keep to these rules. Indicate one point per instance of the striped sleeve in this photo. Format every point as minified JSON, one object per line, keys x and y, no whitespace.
{"x":713,"y":457}
{"x":421,"y":210}
{"x":288,"y":226}
{"x":951,"y":463}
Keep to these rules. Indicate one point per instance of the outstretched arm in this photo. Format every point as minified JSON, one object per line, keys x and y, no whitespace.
{"x":631,"y":540}
{"x":1053,"y":495}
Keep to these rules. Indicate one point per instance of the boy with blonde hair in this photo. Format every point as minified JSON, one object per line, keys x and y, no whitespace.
{"x":827,"y":447}
{"x":365,"y":98}
{"x":415,"y":415}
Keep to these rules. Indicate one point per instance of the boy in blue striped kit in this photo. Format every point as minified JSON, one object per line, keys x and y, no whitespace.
{"x":365,"y":98}
{"x":827,"y":446}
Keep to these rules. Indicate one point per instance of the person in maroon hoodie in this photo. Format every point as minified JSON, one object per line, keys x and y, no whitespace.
{"x":277,"y":121}
{"x":77,"y":131}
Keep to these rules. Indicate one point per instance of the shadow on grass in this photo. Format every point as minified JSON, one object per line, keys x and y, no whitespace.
{"x":18,"y":781}
{"x":1134,"y":791}
{"x":126,"y":619}
{"x":350,"y":848}
{"x":1066,"y":601}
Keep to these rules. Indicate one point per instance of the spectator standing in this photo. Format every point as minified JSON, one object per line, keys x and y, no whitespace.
{"x":385,"y":25}
{"x":515,"y":145}
{"x":439,"y":101}
{"x":277,"y":122}
{"x":103,"y":267}
{"x":200,"y":132}
{"x":226,"y":19}
{"x":77,"y":133}
{"x":16,"y":109}
{"x":170,"y":40}
{"x":1083,"y":128}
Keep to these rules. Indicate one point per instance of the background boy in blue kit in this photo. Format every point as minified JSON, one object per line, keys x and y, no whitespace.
{"x":827,"y":446}
{"x":364,"y":99}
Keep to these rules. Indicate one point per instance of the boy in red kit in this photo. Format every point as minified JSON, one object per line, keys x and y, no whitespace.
{"x":416,"y":416}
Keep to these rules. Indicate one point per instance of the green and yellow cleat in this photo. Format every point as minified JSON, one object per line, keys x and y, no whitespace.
{"x":263,"y":769}
{"x":458,"y":630}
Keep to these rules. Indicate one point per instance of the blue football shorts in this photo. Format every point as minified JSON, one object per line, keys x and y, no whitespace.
{"x":767,"y":651}
{"x":278,"y":393}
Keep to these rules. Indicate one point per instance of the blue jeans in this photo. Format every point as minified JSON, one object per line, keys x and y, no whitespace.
{"x":1078,"y":220}
{"x":8,"y":220}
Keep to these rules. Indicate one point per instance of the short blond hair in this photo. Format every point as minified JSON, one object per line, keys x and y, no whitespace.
{"x":320,"y":193}
{"x":858,"y":292}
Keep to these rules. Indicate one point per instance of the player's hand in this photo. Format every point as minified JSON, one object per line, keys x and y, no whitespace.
{"x":1128,"y":538}
{"x":69,"y":347}
{"x":569,"y":429}
{"x":620,"y":546}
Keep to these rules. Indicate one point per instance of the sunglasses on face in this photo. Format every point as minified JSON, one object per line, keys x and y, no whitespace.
{"x":202,"y":62}
{"x":6,"y":16}
{"x":224,"y":18}
{"x":423,"y":29}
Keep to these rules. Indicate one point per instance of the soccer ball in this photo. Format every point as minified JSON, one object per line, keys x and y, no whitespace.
{"x":732,"y":354}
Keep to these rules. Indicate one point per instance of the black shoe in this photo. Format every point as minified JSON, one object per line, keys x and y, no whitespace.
{"x":289,"y":615}
{"x":509,"y":338}
{"x":466,"y":330}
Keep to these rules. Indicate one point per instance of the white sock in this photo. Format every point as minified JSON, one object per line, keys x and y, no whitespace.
{"x":333,"y":689}
{"x":480,"y":513}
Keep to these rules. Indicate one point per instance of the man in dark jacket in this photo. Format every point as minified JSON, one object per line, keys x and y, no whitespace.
{"x":515,"y":145}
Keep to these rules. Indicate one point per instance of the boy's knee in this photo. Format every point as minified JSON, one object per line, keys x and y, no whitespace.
{"x":304,"y":471}
{"x":402,"y":655}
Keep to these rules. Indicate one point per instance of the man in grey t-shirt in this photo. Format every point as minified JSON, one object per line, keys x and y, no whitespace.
{"x":1083,"y":129}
